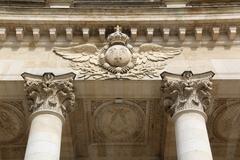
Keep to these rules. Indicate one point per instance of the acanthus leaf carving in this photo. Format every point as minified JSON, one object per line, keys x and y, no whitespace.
{"x":118,"y":59}
{"x":49,"y":92}
{"x":186,"y":91}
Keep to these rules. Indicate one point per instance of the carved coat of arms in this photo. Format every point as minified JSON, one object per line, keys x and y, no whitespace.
{"x":117,"y":59}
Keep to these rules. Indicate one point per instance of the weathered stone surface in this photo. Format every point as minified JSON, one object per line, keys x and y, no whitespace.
{"x":207,"y":37}
{"x":49,"y":93}
{"x":118,"y":3}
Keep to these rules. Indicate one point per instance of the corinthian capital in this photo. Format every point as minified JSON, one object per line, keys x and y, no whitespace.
{"x":49,"y":93}
{"x":186,"y":91}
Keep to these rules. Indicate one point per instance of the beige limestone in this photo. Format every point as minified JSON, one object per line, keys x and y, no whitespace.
{"x":191,"y":136}
{"x":162,"y":26}
{"x":44,"y":140}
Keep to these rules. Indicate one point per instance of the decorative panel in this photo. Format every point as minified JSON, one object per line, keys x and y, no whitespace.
{"x":13,"y":129}
{"x":123,"y":128}
{"x":119,"y":123}
{"x":224,"y":120}
{"x":12,"y":122}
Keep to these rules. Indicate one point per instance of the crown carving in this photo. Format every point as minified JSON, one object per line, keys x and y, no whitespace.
{"x":118,"y":37}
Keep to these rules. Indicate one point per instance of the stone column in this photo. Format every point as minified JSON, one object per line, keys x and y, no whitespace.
{"x":186,"y":97}
{"x":49,"y":98}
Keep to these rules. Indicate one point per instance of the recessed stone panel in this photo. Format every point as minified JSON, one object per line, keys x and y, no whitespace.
{"x":119,"y":123}
{"x":12,"y":123}
{"x":224,"y":121}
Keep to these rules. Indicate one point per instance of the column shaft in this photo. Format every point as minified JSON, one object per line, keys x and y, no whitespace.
{"x":49,"y":98}
{"x":191,"y":137}
{"x":44,"y":140}
{"x":186,"y":97}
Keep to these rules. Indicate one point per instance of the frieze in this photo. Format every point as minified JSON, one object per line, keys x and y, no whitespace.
{"x":117,"y":59}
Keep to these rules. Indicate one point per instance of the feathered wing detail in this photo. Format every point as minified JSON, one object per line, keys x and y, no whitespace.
{"x":155,"y":53}
{"x":80,"y":53}
{"x":84,"y":59}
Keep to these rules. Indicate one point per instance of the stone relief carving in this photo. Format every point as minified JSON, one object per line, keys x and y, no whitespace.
{"x":119,"y":123}
{"x":117,"y":59}
{"x":224,"y":120}
{"x":49,"y":92}
{"x":12,"y":123}
{"x":92,"y":139}
{"x":186,"y":91}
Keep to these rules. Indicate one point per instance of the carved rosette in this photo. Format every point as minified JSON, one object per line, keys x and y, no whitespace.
{"x":50,"y":93}
{"x":186,"y":92}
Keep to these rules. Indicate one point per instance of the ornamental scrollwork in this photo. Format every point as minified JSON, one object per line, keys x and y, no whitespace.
{"x":49,"y":92}
{"x":117,"y":59}
{"x":186,"y":91}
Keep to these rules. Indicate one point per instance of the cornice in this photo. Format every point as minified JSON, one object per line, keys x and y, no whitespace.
{"x":120,"y":11}
{"x":162,"y":22}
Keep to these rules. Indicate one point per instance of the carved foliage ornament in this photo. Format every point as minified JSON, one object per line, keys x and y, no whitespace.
{"x":186,"y":91}
{"x":117,"y":59}
{"x":49,"y":92}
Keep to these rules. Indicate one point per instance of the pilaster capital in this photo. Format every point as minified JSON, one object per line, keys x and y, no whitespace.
{"x":49,"y":93}
{"x":186,"y":92}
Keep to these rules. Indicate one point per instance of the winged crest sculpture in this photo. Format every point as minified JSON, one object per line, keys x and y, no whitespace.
{"x":117,"y":59}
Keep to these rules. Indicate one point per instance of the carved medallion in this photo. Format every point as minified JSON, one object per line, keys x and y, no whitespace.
{"x":119,"y":122}
{"x":225,"y":123}
{"x":11,"y":123}
{"x":118,"y":59}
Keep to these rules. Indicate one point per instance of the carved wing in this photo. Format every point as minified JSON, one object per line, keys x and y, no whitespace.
{"x":155,"y":53}
{"x":80,"y":53}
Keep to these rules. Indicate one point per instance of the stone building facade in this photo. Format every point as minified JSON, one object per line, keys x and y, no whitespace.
{"x":119,"y":79}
